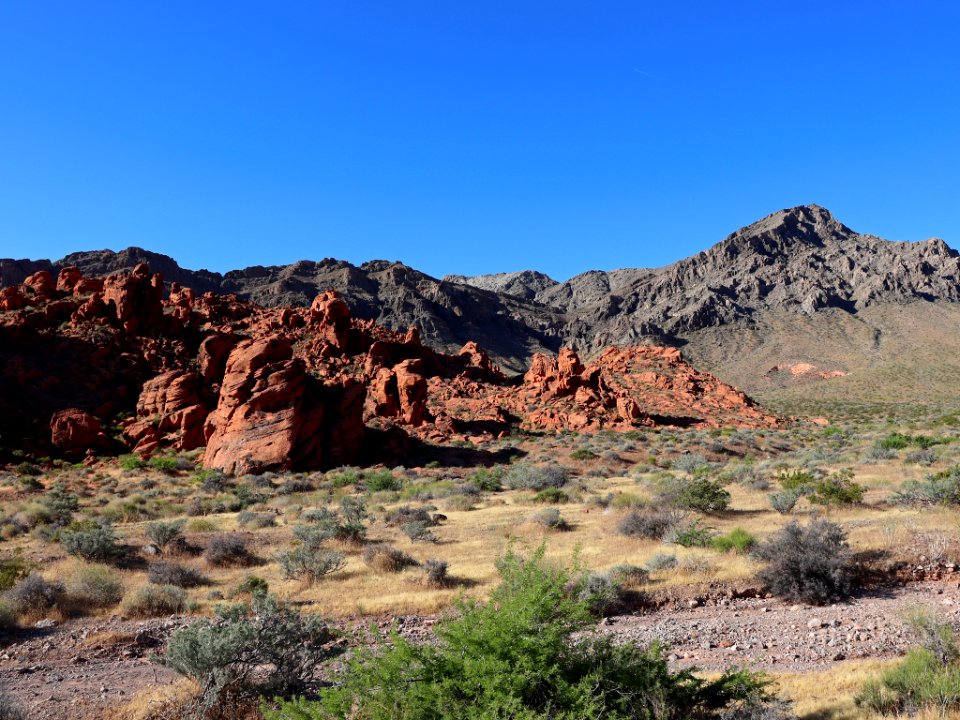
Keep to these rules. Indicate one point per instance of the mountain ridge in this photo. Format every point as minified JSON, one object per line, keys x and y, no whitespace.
{"x":801,"y":261}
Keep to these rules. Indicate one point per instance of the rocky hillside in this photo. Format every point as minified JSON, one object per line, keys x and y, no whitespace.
{"x":799,"y":263}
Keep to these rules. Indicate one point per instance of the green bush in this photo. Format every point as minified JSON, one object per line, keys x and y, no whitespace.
{"x":91,"y":541}
{"x":798,"y":480}
{"x":380,"y":481}
{"x":737,"y":540}
{"x":229,"y":656}
{"x":942,"y":488}
{"x":166,"y":534}
{"x":12,"y":570}
{"x":514,"y":657}
{"x":703,"y":495}
{"x":784,"y":501}
{"x":552,"y":496}
{"x":132,"y":462}
{"x":487,"y":479}
{"x":551,"y":519}
{"x":583,"y":454}
{"x":60,"y":505}
{"x":689,"y":535}
{"x":164,"y":463}
{"x":837,"y":489}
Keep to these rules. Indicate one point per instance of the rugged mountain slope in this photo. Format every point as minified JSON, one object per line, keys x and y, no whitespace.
{"x":798,"y":267}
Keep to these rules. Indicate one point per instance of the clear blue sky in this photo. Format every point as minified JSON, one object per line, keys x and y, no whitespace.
{"x":469,"y":137}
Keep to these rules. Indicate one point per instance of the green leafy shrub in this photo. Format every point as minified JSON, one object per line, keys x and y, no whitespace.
{"x":689,"y":535}
{"x":12,"y":570}
{"x":132,"y":462}
{"x":164,"y":463}
{"x":418,"y":531}
{"x":703,"y":495}
{"x":583,"y":454}
{"x":91,"y":541}
{"x":551,"y":496}
{"x":808,"y":564}
{"x":799,"y":480}
{"x":515,"y":657}
{"x":60,"y":505}
{"x":156,"y":600}
{"x":381,"y":481}
{"x":737,"y":540}
{"x":267,"y":648}
{"x":487,"y":479}
{"x":691,"y":463}
{"x":837,"y":489}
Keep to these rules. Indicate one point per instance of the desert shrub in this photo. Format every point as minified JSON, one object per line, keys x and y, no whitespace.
{"x":386,"y":558}
{"x":252,"y":585}
{"x":436,"y":573}
{"x":535,"y":477}
{"x":925,"y":457}
{"x":381,"y":481}
{"x":201,"y":525}
{"x":212,"y":481}
{"x":227,"y":550}
{"x":10,"y":709}
{"x":650,"y":524}
{"x":627,"y":574}
{"x":688,"y":535}
{"x":12,"y":570}
{"x":626,"y":500}
{"x":551,"y":519}
{"x":166,"y":534}
{"x":784,"y":501}
{"x":703,"y":495}
{"x":797,"y":479}
{"x":406,"y":514}
{"x":343,"y":476}
{"x":515,"y":656}
{"x":583,"y":454}
{"x":266,"y":648}
{"x":303,"y":563}
{"x":94,"y":586}
{"x":165,"y":463}
{"x":294,"y":485}
{"x":156,"y":600}
{"x":837,"y":489}
{"x":459,"y":503}
{"x":878,"y":453}
{"x":8,"y":617}
{"x":256,"y":521}
{"x":418,"y":531}
{"x":737,"y":540}
{"x":551,"y":495}
{"x":927,"y":679}
{"x":60,"y":505}
{"x":808,"y":564}
{"x":942,"y":488}
{"x":171,"y":573}
{"x":34,"y":596}
{"x":691,"y":463}
{"x":660,"y":561}
{"x":487,"y":479}
{"x":91,"y":541}
{"x":894,"y":441}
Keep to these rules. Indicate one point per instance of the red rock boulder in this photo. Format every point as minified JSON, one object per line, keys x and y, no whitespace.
{"x":73,"y":432}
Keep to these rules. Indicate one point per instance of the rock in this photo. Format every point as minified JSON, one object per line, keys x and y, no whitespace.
{"x":815,"y":624}
{"x":45,"y":624}
{"x":170,"y":412}
{"x":137,"y":298}
{"x":73,"y":432}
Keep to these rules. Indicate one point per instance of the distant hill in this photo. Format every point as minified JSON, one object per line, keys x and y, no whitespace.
{"x":797,"y":288}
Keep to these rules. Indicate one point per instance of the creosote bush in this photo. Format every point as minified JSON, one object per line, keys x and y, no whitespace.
{"x":808,"y":564}
{"x":515,"y":656}
{"x":303,"y":563}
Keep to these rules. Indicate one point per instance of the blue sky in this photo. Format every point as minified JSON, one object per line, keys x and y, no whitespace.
{"x":469,"y":137}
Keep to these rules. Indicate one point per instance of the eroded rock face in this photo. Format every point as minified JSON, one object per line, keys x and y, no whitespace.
{"x":137,"y":297}
{"x":170,"y":413}
{"x":73,"y":432}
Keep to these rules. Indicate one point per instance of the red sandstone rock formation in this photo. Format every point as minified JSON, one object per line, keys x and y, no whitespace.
{"x":298,"y":388}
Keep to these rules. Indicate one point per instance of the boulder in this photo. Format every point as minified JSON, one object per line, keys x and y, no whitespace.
{"x":73,"y":432}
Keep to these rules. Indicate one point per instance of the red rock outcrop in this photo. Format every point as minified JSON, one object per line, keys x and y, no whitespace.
{"x":137,"y":297}
{"x":73,"y":432}
{"x":298,"y":388}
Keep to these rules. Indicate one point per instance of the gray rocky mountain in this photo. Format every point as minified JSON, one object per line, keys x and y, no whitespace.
{"x":799,"y":262}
